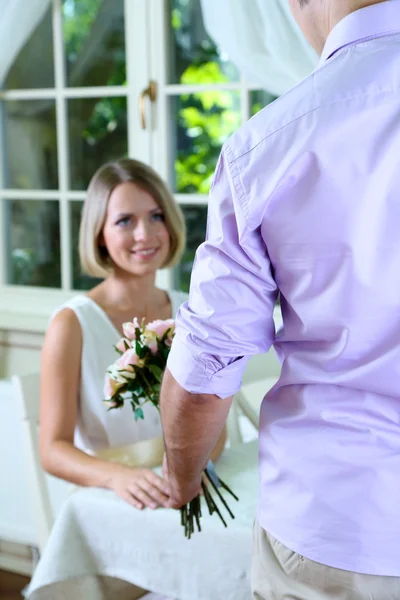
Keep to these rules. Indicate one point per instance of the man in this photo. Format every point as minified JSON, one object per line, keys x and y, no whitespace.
{"x":306,"y":201}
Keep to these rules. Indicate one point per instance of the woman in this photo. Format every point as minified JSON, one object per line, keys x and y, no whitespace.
{"x":131,"y":227}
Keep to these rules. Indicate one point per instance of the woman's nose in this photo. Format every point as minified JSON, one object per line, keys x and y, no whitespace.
{"x":141,"y":231}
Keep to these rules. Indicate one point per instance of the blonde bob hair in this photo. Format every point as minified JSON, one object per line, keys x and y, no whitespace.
{"x":94,"y":257}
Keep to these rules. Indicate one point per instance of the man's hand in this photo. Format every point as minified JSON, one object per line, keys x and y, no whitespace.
{"x":180,"y":495}
{"x":192,"y":425}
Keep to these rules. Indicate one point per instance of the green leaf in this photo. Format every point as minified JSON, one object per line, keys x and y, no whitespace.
{"x":139,"y":414}
{"x":138,"y":391}
{"x":208,"y":72}
{"x":156,"y":402}
{"x":143,"y":351}
{"x":156,"y":371}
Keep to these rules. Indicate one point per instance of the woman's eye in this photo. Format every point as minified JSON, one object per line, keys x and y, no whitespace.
{"x":158,"y":217}
{"x":124,"y":221}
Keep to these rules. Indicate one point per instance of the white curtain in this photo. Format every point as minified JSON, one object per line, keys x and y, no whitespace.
{"x":262,"y":39}
{"x":18,"y":20}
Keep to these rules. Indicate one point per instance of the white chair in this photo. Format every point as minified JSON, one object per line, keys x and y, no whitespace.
{"x":251,"y":395}
{"x":27,"y":396}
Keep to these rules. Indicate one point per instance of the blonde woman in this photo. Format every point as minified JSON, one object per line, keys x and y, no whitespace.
{"x":131,"y":227}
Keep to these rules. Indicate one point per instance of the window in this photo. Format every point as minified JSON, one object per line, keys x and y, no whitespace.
{"x":69,"y":102}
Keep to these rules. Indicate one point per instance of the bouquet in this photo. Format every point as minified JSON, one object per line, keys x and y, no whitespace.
{"x":136,"y":377}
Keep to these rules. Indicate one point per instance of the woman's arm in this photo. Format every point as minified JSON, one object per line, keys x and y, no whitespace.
{"x":60,"y":380}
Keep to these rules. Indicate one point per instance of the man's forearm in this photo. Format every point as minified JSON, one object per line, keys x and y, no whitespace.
{"x":192,"y":424}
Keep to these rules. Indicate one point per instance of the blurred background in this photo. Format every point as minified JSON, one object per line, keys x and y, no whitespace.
{"x":75,"y":77}
{"x":70,"y":102}
{"x":87,"y":81}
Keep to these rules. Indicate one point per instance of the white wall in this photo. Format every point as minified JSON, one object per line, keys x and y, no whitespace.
{"x":19,"y":352}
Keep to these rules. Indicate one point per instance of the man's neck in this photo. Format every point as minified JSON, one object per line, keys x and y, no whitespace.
{"x":331,"y":12}
{"x":340,"y":10}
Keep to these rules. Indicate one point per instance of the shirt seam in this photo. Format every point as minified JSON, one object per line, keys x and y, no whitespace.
{"x":234,"y":164}
{"x":357,"y":42}
{"x":236,"y":176}
{"x":312,"y":110}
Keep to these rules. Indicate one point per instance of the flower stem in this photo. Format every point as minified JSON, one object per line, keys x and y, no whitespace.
{"x":150,"y":391}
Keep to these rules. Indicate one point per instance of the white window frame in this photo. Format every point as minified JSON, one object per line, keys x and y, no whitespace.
{"x":146,"y":26}
{"x":34,"y":305}
{"x":158,"y":27}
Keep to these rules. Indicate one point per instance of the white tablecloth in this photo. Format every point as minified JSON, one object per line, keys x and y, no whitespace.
{"x":96,"y":533}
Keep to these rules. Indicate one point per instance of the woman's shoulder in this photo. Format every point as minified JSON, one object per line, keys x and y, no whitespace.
{"x":64,"y":328}
{"x":80,"y":309}
{"x":72,"y":305}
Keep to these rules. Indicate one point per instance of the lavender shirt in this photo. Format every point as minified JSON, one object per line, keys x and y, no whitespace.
{"x":306,"y":200}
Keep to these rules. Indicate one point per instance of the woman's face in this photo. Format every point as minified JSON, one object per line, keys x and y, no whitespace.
{"x":134,"y":231}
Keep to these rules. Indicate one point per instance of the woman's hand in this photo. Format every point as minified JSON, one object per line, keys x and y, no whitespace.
{"x":140,"y":487}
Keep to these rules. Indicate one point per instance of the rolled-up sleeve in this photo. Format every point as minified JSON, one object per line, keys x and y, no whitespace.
{"x":229,"y":314}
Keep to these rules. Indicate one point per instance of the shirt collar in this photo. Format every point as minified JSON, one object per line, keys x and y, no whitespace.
{"x":366,"y":23}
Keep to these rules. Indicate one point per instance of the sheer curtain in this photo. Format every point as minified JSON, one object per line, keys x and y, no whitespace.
{"x":19,"y":19}
{"x":262,"y":39}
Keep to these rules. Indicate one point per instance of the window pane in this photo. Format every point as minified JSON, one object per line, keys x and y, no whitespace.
{"x":30,"y":156}
{"x":33,"y":242}
{"x":202,"y":123}
{"x":259,"y":99}
{"x":79,"y":280}
{"x":196,"y":223}
{"x":33,"y":65}
{"x":97,"y":134}
{"x":94,"y":42}
{"x":194,"y":58}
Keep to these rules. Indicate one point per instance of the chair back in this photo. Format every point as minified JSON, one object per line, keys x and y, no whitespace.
{"x":27,"y":396}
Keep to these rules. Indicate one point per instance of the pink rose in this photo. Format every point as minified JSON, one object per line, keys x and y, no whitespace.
{"x":160,"y":327}
{"x":129,"y":329}
{"x":128,"y":359}
{"x":111,"y":387}
{"x":122,"y":344}
{"x":149,"y":339}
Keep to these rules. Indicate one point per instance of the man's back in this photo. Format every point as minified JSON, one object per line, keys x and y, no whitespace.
{"x":318,"y":175}
{"x":305,"y":202}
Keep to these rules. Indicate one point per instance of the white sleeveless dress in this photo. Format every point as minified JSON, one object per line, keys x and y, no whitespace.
{"x":97,"y":428}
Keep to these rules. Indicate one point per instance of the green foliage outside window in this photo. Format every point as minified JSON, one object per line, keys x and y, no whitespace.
{"x":201,"y":121}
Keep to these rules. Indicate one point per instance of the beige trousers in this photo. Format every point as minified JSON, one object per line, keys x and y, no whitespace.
{"x":280,"y":574}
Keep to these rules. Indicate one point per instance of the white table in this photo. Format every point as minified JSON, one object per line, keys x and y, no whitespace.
{"x":97,"y":534}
